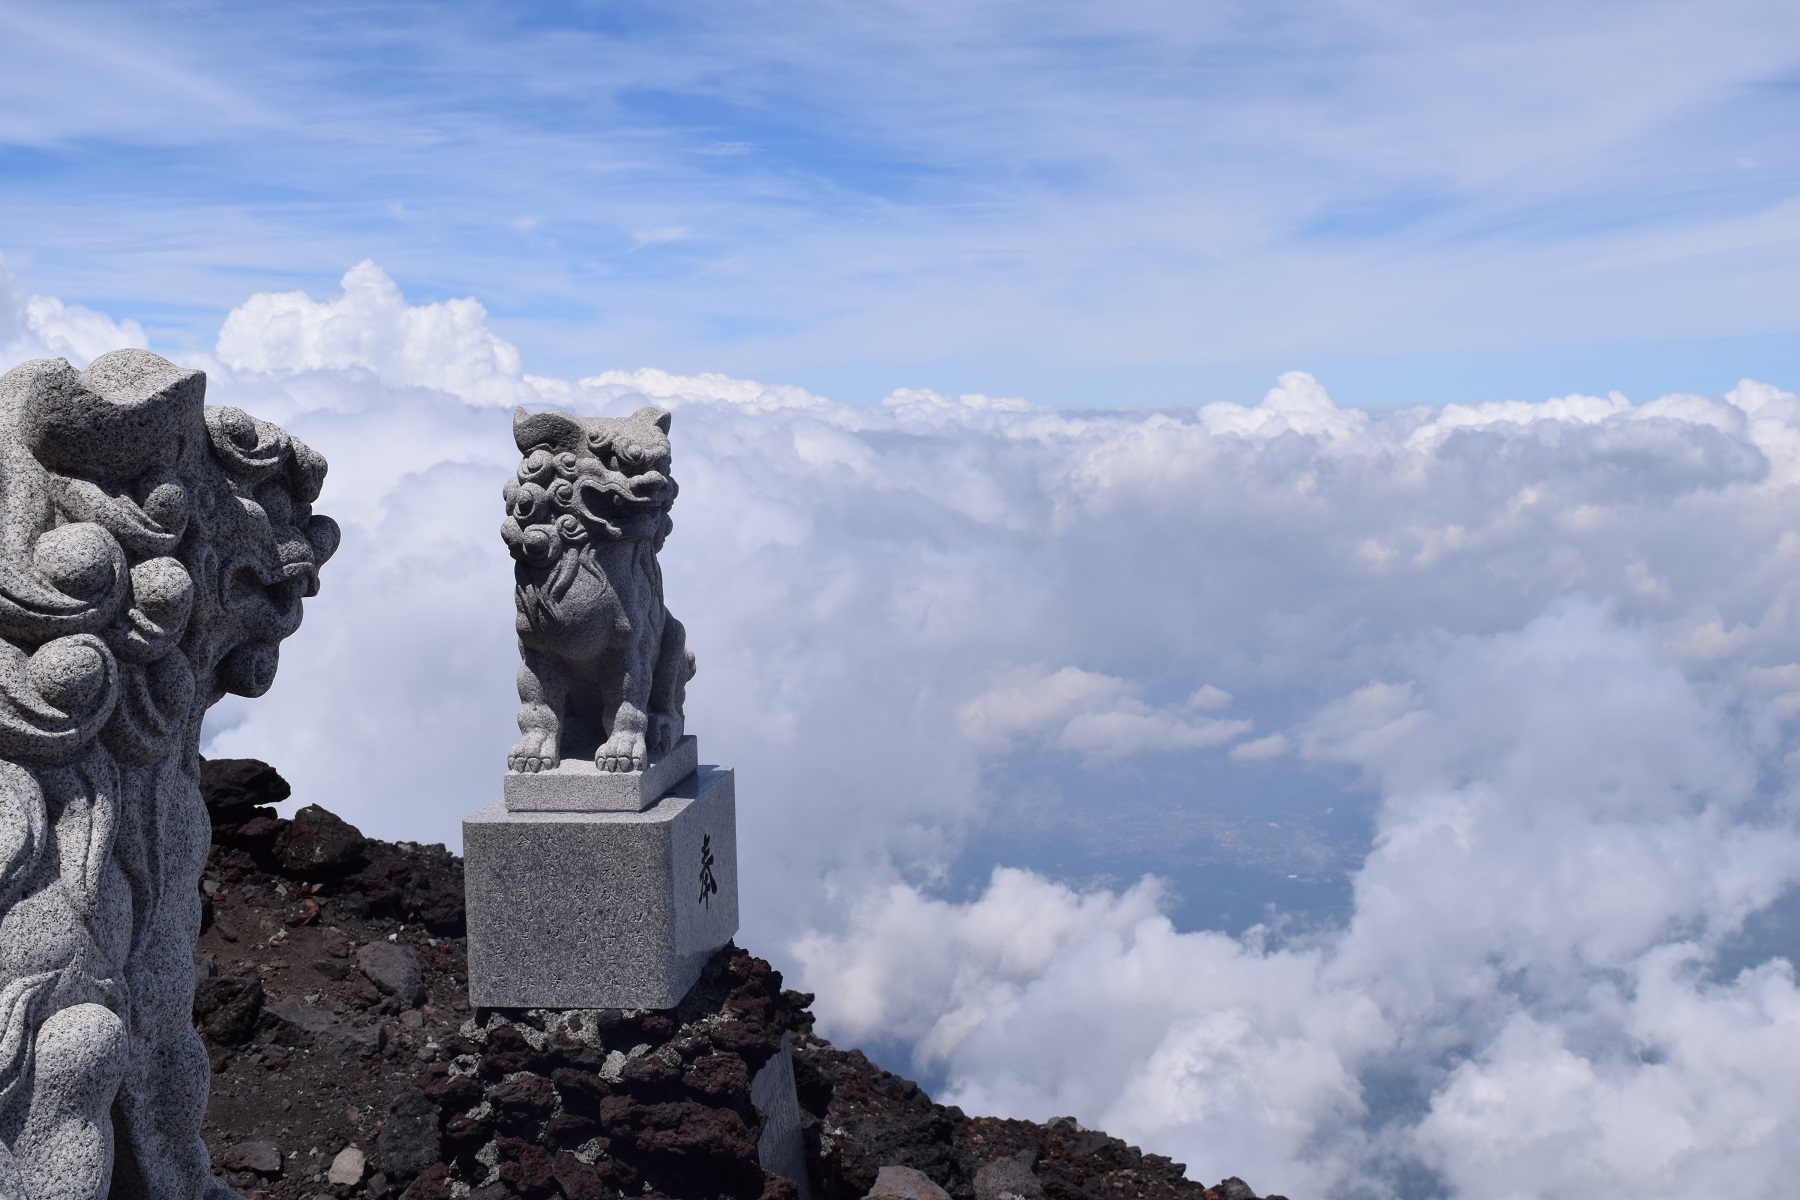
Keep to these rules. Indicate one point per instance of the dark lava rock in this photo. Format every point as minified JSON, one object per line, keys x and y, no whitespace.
{"x":294,"y":1022}
{"x":264,"y":1158}
{"x":394,"y":969}
{"x":1008,"y":1179}
{"x":318,"y":845}
{"x":315,"y":1054}
{"x":412,"y":883}
{"x":229,"y":784}
{"x":409,"y":1136}
{"x":256,"y":836}
{"x":227,"y":1007}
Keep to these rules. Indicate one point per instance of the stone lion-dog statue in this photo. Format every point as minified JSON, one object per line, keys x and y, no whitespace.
{"x":154,"y":552}
{"x":603,"y":667}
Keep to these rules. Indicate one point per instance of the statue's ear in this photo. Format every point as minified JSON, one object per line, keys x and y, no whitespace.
{"x":552,"y":428}
{"x":652,"y":416}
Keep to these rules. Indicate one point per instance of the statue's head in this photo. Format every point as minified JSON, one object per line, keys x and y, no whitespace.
{"x":157,"y":552}
{"x":586,"y":478}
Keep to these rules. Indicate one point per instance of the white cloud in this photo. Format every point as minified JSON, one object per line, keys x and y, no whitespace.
{"x":955,"y":190}
{"x":1257,"y":749}
{"x":1097,"y":715}
{"x":447,"y":346}
{"x":1584,"y":783}
{"x":1566,"y":840}
{"x":45,"y":327}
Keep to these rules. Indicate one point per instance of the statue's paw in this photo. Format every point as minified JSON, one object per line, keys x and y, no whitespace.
{"x":531,"y":755}
{"x":626,"y":756}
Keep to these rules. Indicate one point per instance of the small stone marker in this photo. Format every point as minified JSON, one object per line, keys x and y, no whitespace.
{"x":782,"y":1146}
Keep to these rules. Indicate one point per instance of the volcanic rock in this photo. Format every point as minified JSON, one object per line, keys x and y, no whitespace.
{"x":446,"y":1102}
{"x":394,"y":969}
{"x":904,"y":1183}
{"x":1008,"y":1179}
{"x":318,"y":845}
{"x":262,"y":1157}
{"x":409,"y":1136}
{"x":231,"y":784}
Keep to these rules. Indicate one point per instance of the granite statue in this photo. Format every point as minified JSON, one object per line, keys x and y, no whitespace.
{"x":603,"y":666}
{"x":605,"y":873}
{"x":154,"y":552}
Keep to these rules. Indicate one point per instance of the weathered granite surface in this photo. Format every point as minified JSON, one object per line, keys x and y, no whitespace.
{"x":154,"y":552}
{"x":601,"y":909}
{"x":578,"y":785}
{"x":604,"y":667}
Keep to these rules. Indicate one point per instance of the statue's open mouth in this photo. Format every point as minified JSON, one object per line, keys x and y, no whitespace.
{"x":268,"y":602}
{"x":597,"y":499}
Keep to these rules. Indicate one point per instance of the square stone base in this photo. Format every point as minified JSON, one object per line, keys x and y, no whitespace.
{"x":577,"y":785}
{"x":601,"y":909}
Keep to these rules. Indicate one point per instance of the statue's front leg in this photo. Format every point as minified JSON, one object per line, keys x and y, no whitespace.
{"x":543,"y":697}
{"x":625,"y":747}
{"x":668,"y":691}
{"x":65,"y":1151}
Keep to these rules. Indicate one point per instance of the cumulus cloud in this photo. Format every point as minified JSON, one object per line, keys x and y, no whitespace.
{"x":45,"y":327}
{"x":1569,"y":831}
{"x":1551,"y":651}
{"x":447,"y":346}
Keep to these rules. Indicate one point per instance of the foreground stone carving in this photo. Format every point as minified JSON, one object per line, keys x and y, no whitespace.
{"x":606,"y":875}
{"x":154,"y":552}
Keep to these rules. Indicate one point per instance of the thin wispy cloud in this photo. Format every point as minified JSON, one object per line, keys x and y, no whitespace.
{"x":990,"y":197}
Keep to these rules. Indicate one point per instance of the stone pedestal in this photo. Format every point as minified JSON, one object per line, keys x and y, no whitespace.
{"x":587,"y":909}
{"x":580,"y":786}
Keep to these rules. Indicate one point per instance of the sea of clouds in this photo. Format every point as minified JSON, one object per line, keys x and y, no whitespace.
{"x":1552,"y":651}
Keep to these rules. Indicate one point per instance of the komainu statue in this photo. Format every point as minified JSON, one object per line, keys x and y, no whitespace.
{"x":154,"y":552}
{"x":604,"y":667}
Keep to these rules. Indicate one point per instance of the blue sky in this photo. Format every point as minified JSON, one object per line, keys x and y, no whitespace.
{"x":1137,"y":203}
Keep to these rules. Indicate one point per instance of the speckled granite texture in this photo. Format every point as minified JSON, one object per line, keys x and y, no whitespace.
{"x":603,"y":667}
{"x":578,"y":785}
{"x":154,"y":552}
{"x":601,"y":909}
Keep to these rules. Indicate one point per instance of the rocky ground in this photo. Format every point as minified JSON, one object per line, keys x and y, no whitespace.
{"x":347,"y":1063}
